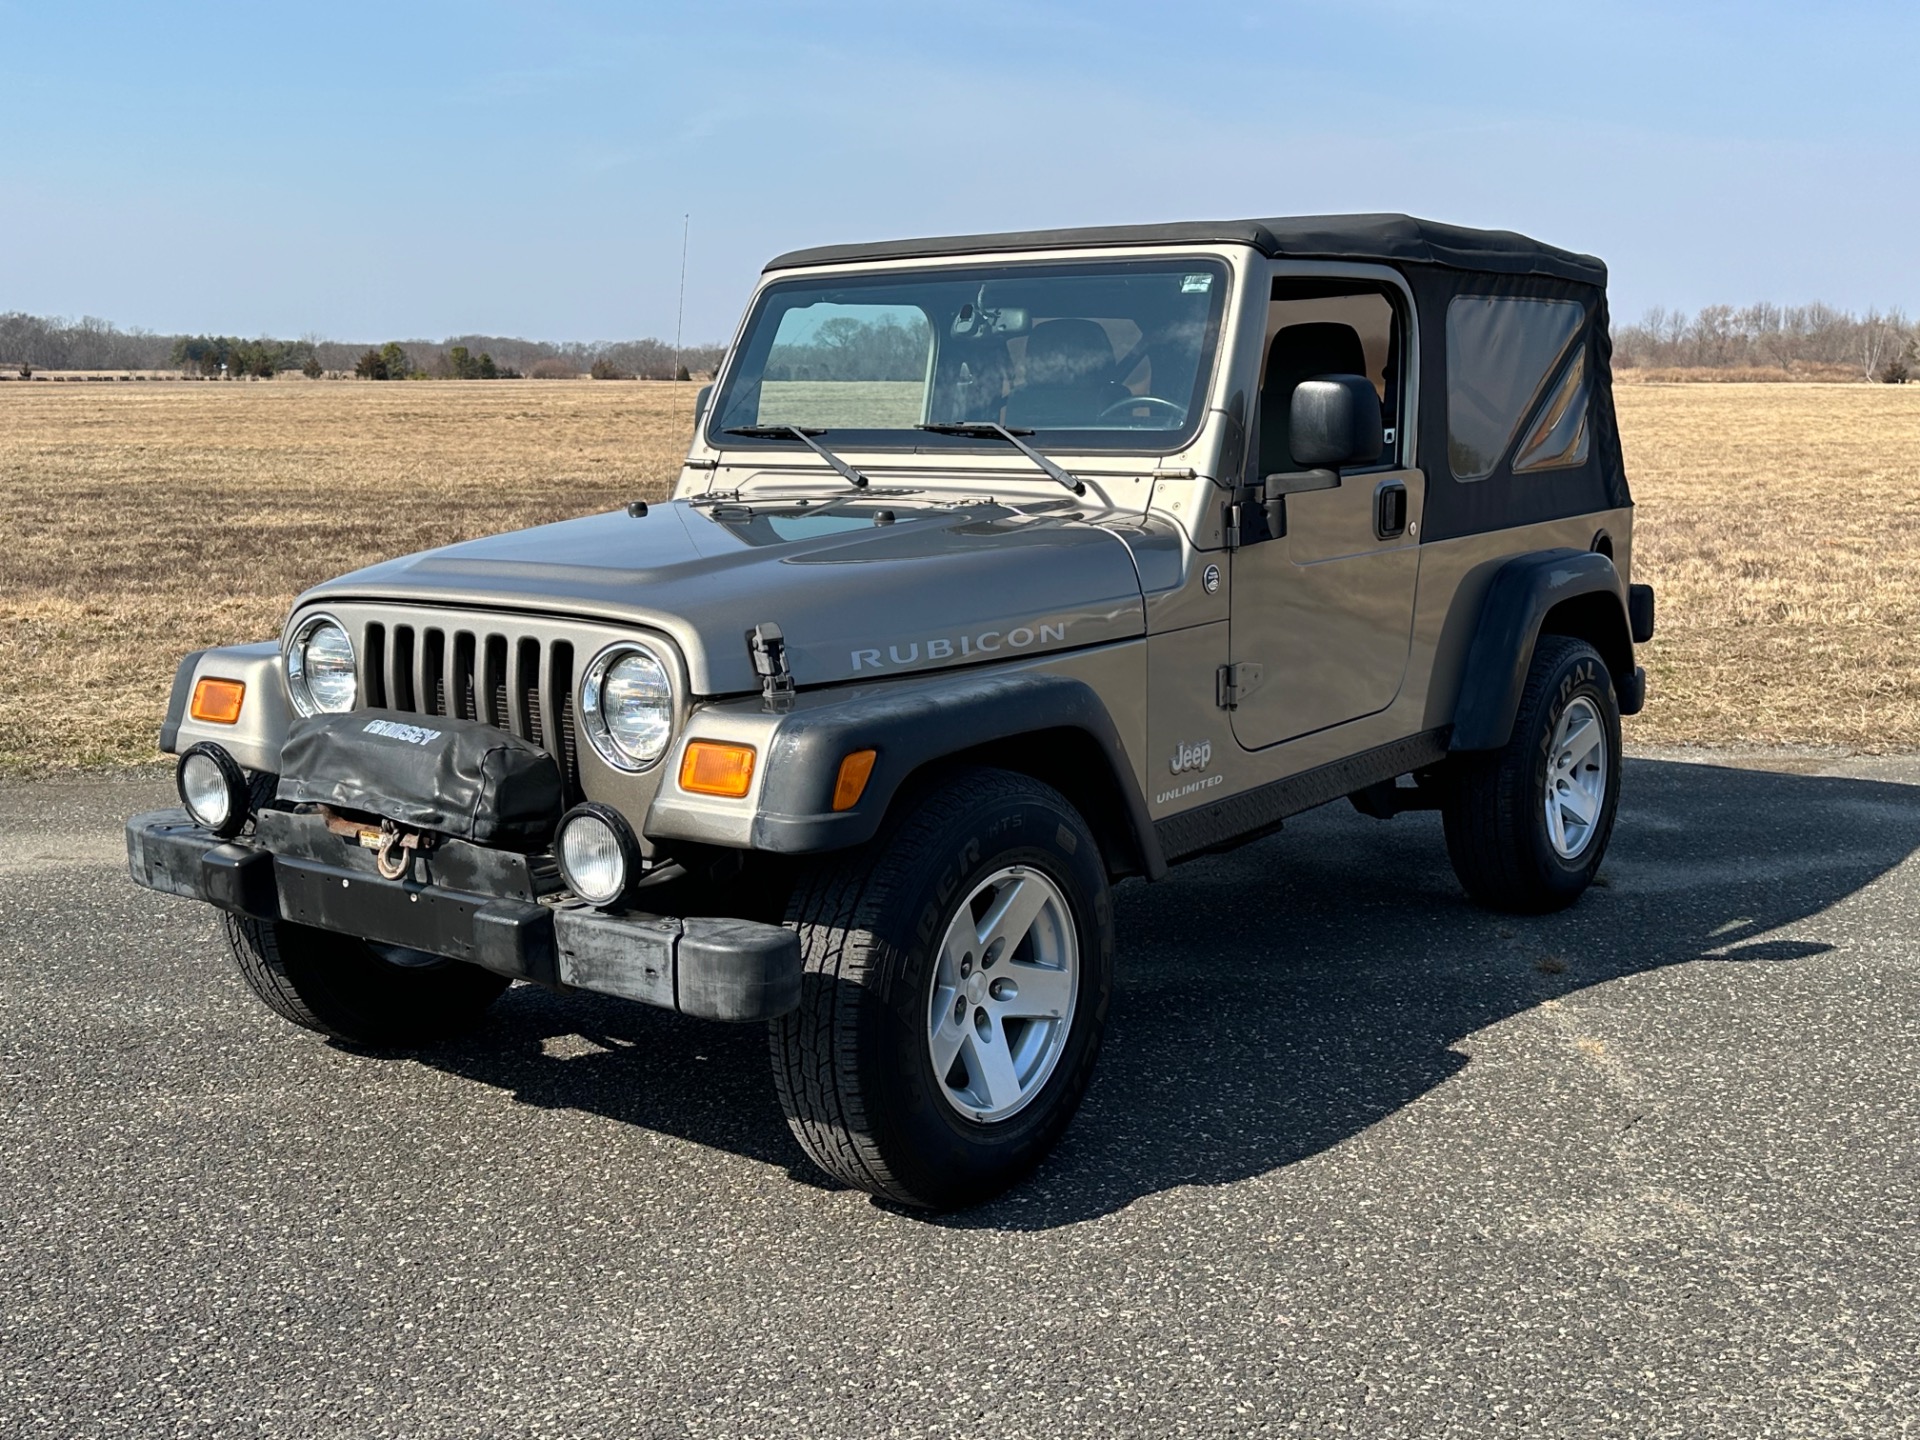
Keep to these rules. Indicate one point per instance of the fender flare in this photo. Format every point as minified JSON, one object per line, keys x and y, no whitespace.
{"x":1523,"y":592}
{"x":914,"y":725}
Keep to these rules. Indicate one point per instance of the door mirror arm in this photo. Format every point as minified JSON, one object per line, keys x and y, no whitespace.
{"x":1273,"y":491}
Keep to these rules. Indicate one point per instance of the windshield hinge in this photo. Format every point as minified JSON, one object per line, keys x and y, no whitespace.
{"x":769,"y":650}
{"x":1233,"y":683}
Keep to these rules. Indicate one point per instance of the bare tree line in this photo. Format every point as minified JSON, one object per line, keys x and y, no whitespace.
{"x":1817,"y":340}
{"x":52,"y":343}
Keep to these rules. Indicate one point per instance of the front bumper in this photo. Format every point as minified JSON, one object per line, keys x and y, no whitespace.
{"x":481,"y":906}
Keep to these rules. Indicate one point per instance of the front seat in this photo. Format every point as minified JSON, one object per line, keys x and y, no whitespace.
{"x":1300,"y":352}
{"x":1069,"y":379}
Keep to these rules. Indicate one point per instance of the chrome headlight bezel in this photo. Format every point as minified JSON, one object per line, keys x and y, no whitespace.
{"x":593,"y":720}
{"x":295,"y":664}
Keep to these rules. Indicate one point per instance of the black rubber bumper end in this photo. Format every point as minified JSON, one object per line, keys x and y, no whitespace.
{"x":737,"y":969}
{"x":167,"y":852}
{"x":714,"y":968}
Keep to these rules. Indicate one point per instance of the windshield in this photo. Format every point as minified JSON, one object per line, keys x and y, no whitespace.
{"x":1082,"y":355}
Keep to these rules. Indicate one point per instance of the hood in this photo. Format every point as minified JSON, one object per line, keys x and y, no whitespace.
{"x":866,"y":589}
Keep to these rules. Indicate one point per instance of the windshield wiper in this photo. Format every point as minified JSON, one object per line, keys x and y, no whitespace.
{"x":805,"y":437}
{"x":987,"y":429}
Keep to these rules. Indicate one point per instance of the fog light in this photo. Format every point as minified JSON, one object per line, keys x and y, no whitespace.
{"x":599,"y":855}
{"x":213,"y":787}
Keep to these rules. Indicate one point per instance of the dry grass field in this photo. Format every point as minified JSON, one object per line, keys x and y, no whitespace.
{"x":1781,"y":527}
{"x":147,"y":520}
{"x":1781,"y":524}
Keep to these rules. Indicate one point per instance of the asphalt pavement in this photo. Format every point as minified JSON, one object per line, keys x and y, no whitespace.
{"x":1359,"y":1160}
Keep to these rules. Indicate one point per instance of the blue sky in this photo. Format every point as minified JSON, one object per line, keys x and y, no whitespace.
{"x":363,"y":171}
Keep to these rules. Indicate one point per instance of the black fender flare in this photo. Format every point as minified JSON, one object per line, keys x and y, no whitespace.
{"x":177,"y":700}
{"x":913,"y":725}
{"x":1524,"y":590}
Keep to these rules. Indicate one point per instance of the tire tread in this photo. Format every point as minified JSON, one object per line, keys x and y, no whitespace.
{"x":839,"y":908}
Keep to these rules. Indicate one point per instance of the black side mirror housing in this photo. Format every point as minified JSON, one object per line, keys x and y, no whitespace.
{"x":1336,"y":422}
{"x":700,"y":403}
{"x":1333,"y":421}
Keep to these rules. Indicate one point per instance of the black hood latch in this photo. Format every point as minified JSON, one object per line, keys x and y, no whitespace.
{"x":769,"y":650}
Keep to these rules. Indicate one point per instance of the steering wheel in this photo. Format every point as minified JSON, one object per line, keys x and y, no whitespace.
{"x":1179,"y":412}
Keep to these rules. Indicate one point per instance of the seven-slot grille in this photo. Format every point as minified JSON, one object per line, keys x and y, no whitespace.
{"x":518,"y":682}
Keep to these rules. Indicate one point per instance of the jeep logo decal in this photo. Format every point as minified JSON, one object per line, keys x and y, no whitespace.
{"x":1192,"y":757}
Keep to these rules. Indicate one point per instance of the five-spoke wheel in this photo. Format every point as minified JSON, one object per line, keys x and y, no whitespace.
{"x":1576,"y":788}
{"x":957,"y":980}
{"x":1003,"y":993}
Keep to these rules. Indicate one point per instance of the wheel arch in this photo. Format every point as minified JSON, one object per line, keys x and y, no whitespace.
{"x":1050,"y":727}
{"x":1073,"y":762}
{"x":1576,"y":593}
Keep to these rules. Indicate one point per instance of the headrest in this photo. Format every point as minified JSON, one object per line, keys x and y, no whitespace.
{"x":1319,"y":347}
{"x":1066,"y":352}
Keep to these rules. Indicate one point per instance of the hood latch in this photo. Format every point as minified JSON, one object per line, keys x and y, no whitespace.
{"x":769,"y":650}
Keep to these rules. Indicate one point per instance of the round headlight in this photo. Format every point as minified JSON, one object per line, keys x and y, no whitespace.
{"x":320,"y":668}
{"x":213,"y":787}
{"x":626,"y":706}
{"x":599,"y":857}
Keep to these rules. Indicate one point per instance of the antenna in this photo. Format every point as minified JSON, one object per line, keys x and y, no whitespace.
{"x":680,"y":316}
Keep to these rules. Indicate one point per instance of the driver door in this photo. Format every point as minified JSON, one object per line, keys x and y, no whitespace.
{"x":1325,"y":610}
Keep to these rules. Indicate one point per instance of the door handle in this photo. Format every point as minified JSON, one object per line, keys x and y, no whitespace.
{"x":1389,"y":510}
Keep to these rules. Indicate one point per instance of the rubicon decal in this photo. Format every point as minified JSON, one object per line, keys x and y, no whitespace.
{"x":955,"y":647}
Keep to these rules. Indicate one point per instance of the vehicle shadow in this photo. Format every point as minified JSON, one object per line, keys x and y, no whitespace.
{"x":1277,"y":1000}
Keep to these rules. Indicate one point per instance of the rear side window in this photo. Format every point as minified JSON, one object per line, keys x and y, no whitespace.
{"x":1502,"y":354}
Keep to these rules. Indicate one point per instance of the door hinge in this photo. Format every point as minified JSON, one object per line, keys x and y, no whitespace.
{"x":1230,"y":520}
{"x":1233,"y":683}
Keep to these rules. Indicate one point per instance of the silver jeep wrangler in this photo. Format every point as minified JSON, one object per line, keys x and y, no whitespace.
{"x":1001,"y":568}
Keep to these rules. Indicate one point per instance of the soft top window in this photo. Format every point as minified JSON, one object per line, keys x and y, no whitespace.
{"x":1501,"y":354}
{"x":1091,"y":354}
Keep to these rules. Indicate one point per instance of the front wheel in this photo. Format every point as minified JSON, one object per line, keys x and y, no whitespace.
{"x":958,"y":973}
{"x":353,"y":990}
{"x":1528,"y":824}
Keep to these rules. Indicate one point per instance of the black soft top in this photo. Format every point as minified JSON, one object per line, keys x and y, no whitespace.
{"x":1397,"y":239}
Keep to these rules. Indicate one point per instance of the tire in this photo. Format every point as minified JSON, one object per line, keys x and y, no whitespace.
{"x":855,"y":1066}
{"x":343,"y":987}
{"x":1499,"y":834}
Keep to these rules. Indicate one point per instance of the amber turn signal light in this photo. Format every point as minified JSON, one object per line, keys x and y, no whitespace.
{"x":217,"y":701}
{"x":710,"y":768}
{"x":855,"y":771}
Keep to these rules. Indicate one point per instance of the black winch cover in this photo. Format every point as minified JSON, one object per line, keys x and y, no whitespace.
{"x":428,"y":772}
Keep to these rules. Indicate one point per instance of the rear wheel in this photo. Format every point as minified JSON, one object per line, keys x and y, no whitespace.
{"x":1527,"y":825}
{"x":354,"y":990}
{"x":958,"y":973}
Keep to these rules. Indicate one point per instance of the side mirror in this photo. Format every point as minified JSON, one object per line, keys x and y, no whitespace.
{"x":1336,"y":421}
{"x":700,"y":403}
